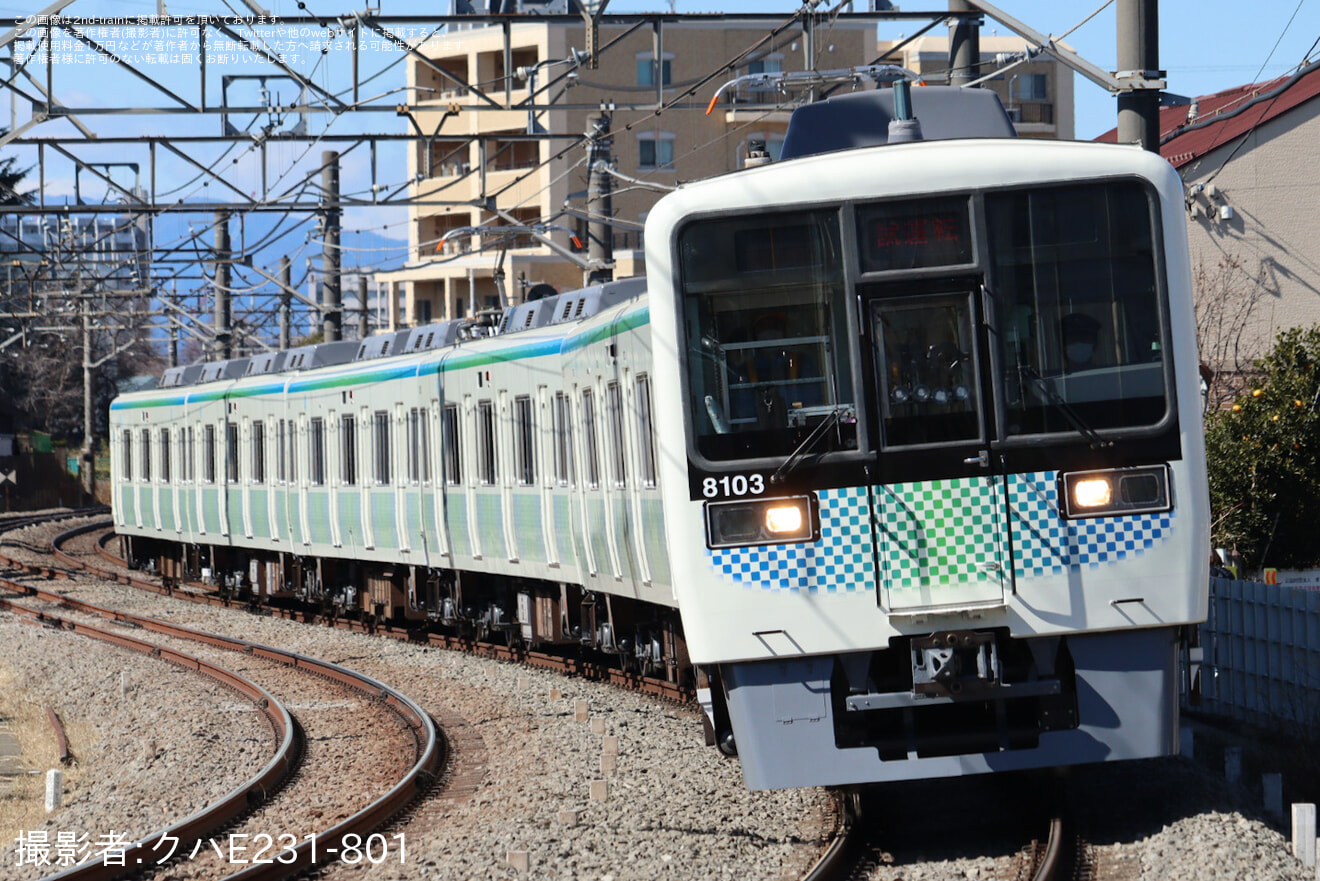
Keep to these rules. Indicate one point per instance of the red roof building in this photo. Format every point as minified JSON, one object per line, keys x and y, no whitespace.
{"x":1250,"y":157}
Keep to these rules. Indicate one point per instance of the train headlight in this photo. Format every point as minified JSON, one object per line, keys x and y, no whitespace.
{"x":1116,"y":491}
{"x":785,"y":519}
{"x":1092,"y":492}
{"x":761,"y":521}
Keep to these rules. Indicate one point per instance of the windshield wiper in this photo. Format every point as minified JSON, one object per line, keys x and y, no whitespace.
{"x":809,"y":442}
{"x":1054,"y":398}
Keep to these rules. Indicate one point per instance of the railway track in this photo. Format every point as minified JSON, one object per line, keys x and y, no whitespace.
{"x":269,"y":795}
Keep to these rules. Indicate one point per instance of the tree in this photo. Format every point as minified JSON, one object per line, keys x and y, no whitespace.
{"x":1263,"y":456}
{"x":1227,"y":297}
{"x":10,"y":180}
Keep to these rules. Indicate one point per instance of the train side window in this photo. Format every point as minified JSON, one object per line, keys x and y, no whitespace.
{"x":419,"y":447}
{"x":281,"y":444}
{"x":524,"y":443}
{"x":146,"y":455}
{"x":259,"y":451}
{"x":126,"y":453}
{"x":316,"y":451}
{"x":189,"y":455}
{"x":618,"y":441}
{"x":348,"y":449}
{"x":591,"y":452}
{"x":450,"y":444}
{"x":563,"y":430}
{"x":486,"y":443}
{"x":231,"y":452}
{"x":645,"y":431}
{"x":208,"y":453}
{"x":381,"y":425}
{"x":165,"y":453}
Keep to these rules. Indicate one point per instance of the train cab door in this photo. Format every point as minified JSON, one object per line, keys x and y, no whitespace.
{"x":939,"y":502}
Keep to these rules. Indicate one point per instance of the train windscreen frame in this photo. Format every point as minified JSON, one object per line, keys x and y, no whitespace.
{"x":765,"y":315}
{"x":1077,"y":283}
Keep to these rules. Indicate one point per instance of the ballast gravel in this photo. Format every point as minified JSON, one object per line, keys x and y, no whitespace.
{"x":153,"y":741}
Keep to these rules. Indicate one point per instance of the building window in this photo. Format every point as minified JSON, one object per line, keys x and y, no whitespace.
{"x":563,"y":440}
{"x":258,"y":452}
{"x":1029,"y":87}
{"x":655,"y":150}
{"x":524,"y":442}
{"x":486,"y":443}
{"x":381,"y":429}
{"x":769,"y":64}
{"x":449,"y":443}
{"x":231,"y":452}
{"x":316,"y":452}
{"x":348,"y":450}
{"x":646,"y":69}
{"x":645,"y":431}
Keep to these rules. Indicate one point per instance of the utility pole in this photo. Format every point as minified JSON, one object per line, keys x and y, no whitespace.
{"x":964,"y":46}
{"x":600,"y":199}
{"x":286,"y":303}
{"x":89,"y":391}
{"x":364,"y":322}
{"x":224,"y":311}
{"x":174,"y":327}
{"x":1139,"y":54}
{"x":332,"y":315}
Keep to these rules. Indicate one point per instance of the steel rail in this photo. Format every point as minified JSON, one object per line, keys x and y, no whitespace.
{"x":420,"y":776}
{"x":219,"y":813}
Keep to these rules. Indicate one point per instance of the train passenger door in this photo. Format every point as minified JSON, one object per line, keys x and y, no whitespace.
{"x":938,"y":506}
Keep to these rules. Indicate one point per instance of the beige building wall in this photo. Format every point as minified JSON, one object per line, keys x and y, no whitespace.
{"x":534,"y":181}
{"x":1038,"y":95}
{"x":1257,"y":214}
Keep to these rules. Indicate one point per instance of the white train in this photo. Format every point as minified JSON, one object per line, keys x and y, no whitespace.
{"x":909,"y":435}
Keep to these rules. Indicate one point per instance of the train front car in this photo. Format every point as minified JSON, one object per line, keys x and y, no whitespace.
{"x":938,"y":504}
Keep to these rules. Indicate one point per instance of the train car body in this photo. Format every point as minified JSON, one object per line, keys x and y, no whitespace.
{"x":909,"y":435}
{"x":940,"y":503}
{"x":448,"y":473}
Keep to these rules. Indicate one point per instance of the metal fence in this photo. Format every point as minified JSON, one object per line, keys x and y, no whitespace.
{"x":1261,"y":654}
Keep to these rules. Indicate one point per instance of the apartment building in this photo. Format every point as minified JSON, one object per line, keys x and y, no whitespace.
{"x":1037,"y":94}
{"x":473,"y":153}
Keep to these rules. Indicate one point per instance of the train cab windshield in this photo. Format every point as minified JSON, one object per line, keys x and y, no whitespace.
{"x":767,"y":354}
{"x":1074,"y":273}
{"x":988,"y":318}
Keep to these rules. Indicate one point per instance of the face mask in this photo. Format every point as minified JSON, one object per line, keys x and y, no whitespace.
{"x":1079,"y":353}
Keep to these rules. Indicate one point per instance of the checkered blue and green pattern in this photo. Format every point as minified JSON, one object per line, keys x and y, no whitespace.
{"x":935,"y":533}
{"x":843,"y":559}
{"x":1046,"y":544}
{"x":939,"y":533}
